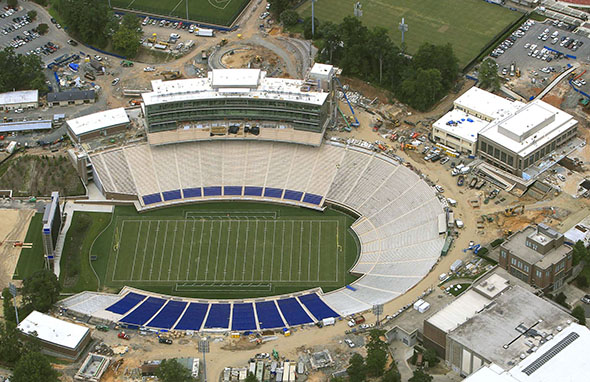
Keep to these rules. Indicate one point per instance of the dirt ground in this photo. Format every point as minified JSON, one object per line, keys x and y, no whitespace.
{"x":13,"y":227}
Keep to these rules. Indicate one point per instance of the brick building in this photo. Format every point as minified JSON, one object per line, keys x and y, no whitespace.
{"x":538,"y":256}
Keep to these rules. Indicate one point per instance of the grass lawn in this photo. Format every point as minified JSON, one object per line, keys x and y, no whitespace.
{"x":221,"y":12}
{"x":214,"y":250}
{"x":467,"y":24}
{"x":31,"y":260}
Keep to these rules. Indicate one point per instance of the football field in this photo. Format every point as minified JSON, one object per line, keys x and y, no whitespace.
{"x":258,"y":250}
{"x":467,"y":24}
{"x":221,"y":12}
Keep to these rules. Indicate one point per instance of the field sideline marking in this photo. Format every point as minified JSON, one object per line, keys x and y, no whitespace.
{"x":181,"y":250}
{"x":226,"y":251}
{"x":163,"y":249}
{"x":117,"y":255}
{"x":208,"y":251}
{"x":254,"y":251}
{"x":190,"y":253}
{"x":236,"y":256}
{"x":291,"y":252}
{"x":218,"y":7}
{"x":263,"y":252}
{"x":145,"y":250}
{"x":136,"y":246}
{"x":272,"y":257}
{"x":218,"y":249}
{"x":154,"y":252}
{"x":282,"y":253}
{"x":300,"y":248}
{"x":180,"y":2}
{"x":245,"y":250}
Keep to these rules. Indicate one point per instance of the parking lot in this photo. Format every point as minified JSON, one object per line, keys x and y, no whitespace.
{"x":55,"y":35}
{"x":544,"y":64}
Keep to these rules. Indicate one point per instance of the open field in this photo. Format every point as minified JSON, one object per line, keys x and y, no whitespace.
{"x":221,"y":250}
{"x":467,"y":24}
{"x":32,"y":259}
{"x":221,"y":12}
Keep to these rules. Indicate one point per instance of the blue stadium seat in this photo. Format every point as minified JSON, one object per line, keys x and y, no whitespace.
{"x":192,"y":192}
{"x":168,"y":315}
{"x":252,"y":191}
{"x":293,"y":195}
{"x":218,"y":316}
{"x":312,"y":199}
{"x":317,"y":307}
{"x":212,"y":191}
{"x":273,"y":192}
{"x":293,"y":312}
{"x":125,"y":304}
{"x":152,"y":198}
{"x":243,"y":317}
{"x":232,"y":190}
{"x":268,"y":315}
{"x":144,"y":312}
{"x":193,"y":317}
{"x":172,"y":195}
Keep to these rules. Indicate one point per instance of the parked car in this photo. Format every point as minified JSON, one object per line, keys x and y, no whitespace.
{"x":166,"y":341}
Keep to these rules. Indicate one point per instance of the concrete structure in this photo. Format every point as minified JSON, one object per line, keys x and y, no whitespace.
{"x":58,"y":338}
{"x":98,"y":124}
{"x":21,"y":126}
{"x":241,"y":104}
{"x":525,"y":137}
{"x":93,"y":368}
{"x":580,"y":231}
{"x":473,"y":111}
{"x":51,"y":226}
{"x":71,"y":97}
{"x":494,"y":322}
{"x":538,"y":256}
{"x":562,"y":357}
{"x":23,"y":99}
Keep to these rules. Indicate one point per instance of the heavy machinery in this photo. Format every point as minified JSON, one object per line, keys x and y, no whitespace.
{"x":126,"y":63}
{"x":223,"y":42}
{"x":171,"y":74}
{"x":356,"y":122}
{"x":153,"y":39}
{"x":407,"y":146}
{"x":123,"y":335}
{"x":517,"y":210}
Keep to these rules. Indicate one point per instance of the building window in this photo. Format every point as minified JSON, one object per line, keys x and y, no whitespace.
{"x":526,"y":268}
{"x":547,"y":273}
{"x":496,"y":153}
{"x":539,"y":274}
{"x":513,"y":261}
{"x":503,"y":253}
{"x":484,"y":146}
{"x":490,"y":149}
{"x":510,"y":160}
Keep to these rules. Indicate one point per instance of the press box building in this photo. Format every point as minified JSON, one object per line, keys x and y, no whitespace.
{"x":51,"y":226}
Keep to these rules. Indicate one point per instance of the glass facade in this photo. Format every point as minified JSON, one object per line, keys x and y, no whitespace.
{"x":301,"y":116}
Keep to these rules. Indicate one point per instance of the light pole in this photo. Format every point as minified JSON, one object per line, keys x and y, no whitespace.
{"x":403,"y":27}
{"x":13,"y":292}
{"x":204,"y":348}
{"x":358,"y":9}
{"x":377,"y":311}
{"x":313,"y":19}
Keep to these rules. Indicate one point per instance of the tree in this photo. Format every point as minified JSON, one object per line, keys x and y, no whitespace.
{"x":20,"y":71}
{"x":289,"y":17}
{"x":580,"y":314}
{"x":357,"y":371}
{"x":439,"y":57}
{"x":430,"y":357}
{"x":12,"y":3}
{"x":561,"y":299}
{"x":42,"y":28}
{"x":279,"y":6}
{"x":392,"y":375}
{"x":34,"y":367}
{"x":171,"y":371}
{"x":307,"y":28}
{"x":582,"y":281}
{"x":88,"y":20}
{"x":488,"y":74}
{"x":126,"y":38}
{"x":32,"y":14}
{"x":422,"y":91}
{"x":251,"y":378}
{"x":376,"y":354}
{"x":41,"y":290}
{"x":420,"y":376}
{"x":580,"y":252}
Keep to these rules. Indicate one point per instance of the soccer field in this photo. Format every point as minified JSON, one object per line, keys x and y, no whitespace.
{"x":221,"y":12}
{"x":467,"y":24}
{"x":230,"y":249}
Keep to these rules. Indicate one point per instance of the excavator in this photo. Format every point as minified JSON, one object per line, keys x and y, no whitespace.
{"x":171,"y":74}
{"x":511,"y":211}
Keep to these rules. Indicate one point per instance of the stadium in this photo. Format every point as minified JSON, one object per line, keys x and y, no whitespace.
{"x":281,"y":231}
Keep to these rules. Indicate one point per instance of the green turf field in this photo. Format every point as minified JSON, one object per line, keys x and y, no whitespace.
{"x":467,"y":24}
{"x":32,"y":259}
{"x":221,"y":12}
{"x":226,"y":250}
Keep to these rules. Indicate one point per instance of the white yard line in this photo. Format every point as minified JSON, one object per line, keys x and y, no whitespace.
{"x":154,"y":251}
{"x":135,"y":253}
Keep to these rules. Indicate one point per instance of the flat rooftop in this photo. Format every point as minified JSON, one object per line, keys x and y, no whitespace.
{"x":98,"y":121}
{"x":53,"y":330}
{"x":233,"y":83}
{"x":486,"y":103}
{"x":516,"y":322}
{"x":459,"y":311}
{"x":22,"y":96}
{"x":561,"y":358}
{"x":529,"y":128}
{"x":517,"y":244}
{"x":461,"y":124}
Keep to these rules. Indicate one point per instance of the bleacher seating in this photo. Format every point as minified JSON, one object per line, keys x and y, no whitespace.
{"x":218,"y":317}
{"x":397,"y":229}
{"x":243,"y":317}
{"x":144,"y":311}
{"x":125,"y":304}
{"x":268,"y":315}
{"x":167,"y":317}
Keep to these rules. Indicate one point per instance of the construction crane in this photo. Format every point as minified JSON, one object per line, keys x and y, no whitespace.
{"x":356,"y":122}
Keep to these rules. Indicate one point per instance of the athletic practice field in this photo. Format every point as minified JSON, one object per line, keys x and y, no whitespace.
{"x":229,"y":249}
{"x":467,"y":24}
{"x":221,"y":12}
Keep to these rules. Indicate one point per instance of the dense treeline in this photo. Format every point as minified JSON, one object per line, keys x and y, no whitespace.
{"x":20,"y":72}
{"x":420,"y":81}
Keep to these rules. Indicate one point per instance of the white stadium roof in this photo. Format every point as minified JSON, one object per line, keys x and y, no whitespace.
{"x":53,"y":330}
{"x":460,"y":124}
{"x":98,"y":121}
{"x":486,"y":103}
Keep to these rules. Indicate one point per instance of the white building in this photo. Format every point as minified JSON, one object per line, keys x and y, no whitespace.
{"x":93,"y":125}
{"x":473,"y":111}
{"x":24,"y":99}
{"x":57,"y":337}
{"x":561,"y":358}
